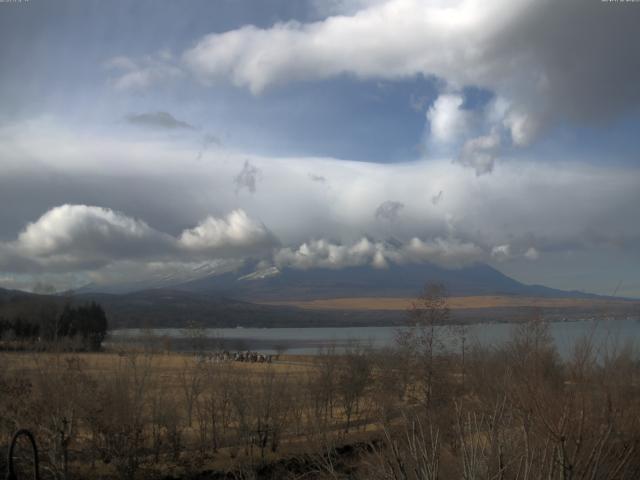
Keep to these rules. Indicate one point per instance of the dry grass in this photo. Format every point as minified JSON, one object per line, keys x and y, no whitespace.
{"x":516,"y":412}
{"x":471,"y":302}
{"x":53,"y":389}
{"x":167,"y":366}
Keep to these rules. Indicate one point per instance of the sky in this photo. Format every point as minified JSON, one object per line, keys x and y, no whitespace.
{"x":160,"y":139}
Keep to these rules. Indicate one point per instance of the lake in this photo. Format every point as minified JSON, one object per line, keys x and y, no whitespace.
{"x":306,"y":341}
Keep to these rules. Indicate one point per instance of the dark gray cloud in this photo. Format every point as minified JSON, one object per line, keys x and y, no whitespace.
{"x":480,"y":153}
{"x":158,"y":120}
{"x":248,"y":177}
{"x":208,"y":140}
{"x":317,"y":178}
{"x":389,"y":210}
{"x":586,"y":54}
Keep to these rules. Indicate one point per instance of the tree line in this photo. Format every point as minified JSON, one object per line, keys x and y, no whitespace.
{"x":85,"y":325}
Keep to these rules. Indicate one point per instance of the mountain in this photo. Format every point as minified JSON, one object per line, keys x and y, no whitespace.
{"x":233,"y":298}
{"x":164,"y":308}
{"x":4,"y":294}
{"x":273,"y":284}
{"x":163,"y":281}
{"x":223,"y":300}
{"x":176,"y":308}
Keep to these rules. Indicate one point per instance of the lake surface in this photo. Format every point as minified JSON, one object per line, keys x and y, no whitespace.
{"x":305,"y":341}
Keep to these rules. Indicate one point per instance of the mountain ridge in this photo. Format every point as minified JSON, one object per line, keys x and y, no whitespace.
{"x":365,"y":281}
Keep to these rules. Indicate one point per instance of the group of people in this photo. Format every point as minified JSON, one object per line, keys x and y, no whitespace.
{"x":226,"y":356}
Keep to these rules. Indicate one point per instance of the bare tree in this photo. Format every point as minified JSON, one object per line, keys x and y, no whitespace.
{"x":409,"y":453}
{"x":191,"y":383}
{"x":121,"y":416}
{"x":354,"y":375}
{"x":322,"y":384}
{"x":197,"y":337}
{"x":422,"y":340}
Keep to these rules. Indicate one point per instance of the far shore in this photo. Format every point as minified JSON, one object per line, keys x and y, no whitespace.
{"x":454,"y":303}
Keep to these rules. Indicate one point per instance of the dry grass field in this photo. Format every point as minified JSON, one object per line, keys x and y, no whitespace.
{"x":170,"y":412}
{"x":166,"y":366}
{"x":455,"y":303}
{"x":410,"y":413}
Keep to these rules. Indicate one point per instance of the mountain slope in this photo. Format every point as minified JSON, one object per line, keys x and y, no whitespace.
{"x":364,"y":281}
{"x":179,"y":308}
{"x":174,"y":308}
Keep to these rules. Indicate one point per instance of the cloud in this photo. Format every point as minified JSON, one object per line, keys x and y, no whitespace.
{"x":141,"y":74}
{"x":436,"y":199}
{"x":558,"y":208}
{"x":120,"y":63}
{"x":71,"y":238}
{"x":560,"y":201}
{"x":134,"y":275}
{"x":325,"y":8}
{"x":480,"y":153}
{"x":461,"y":132}
{"x":158,"y":120}
{"x":506,"y":252}
{"x":325,"y":254}
{"x":449,"y":252}
{"x":559,"y":73}
{"x":208,"y":140}
{"x":532,"y":254}
{"x":247,"y":178}
{"x":42,"y":284}
{"x":448,"y":121}
{"x":110,"y":246}
{"x":501,"y":252}
{"x":418,"y":103}
{"x":522,"y":127}
{"x":236,"y":230}
{"x":317,"y":178}
{"x":389,"y":210}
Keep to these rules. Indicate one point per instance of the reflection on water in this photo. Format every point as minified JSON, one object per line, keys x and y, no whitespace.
{"x":309,"y":340}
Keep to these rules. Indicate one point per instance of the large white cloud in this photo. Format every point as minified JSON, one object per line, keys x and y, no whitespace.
{"x":572,"y":59}
{"x":325,"y":254}
{"x":237,"y":230}
{"x":81,"y":229}
{"x":71,"y":238}
{"x":448,"y":252}
{"x":540,"y":209}
{"x":388,"y":40}
{"x":545,"y":62}
{"x":558,"y":201}
{"x":448,"y":121}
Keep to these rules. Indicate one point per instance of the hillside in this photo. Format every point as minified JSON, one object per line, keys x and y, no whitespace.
{"x":364,"y":281}
{"x":174,"y":308}
{"x":179,"y":308}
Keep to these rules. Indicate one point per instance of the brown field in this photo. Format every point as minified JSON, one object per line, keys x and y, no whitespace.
{"x":361,"y":414}
{"x":168,"y":366}
{"x":456,"y":303}
{"x":212,"y":413}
